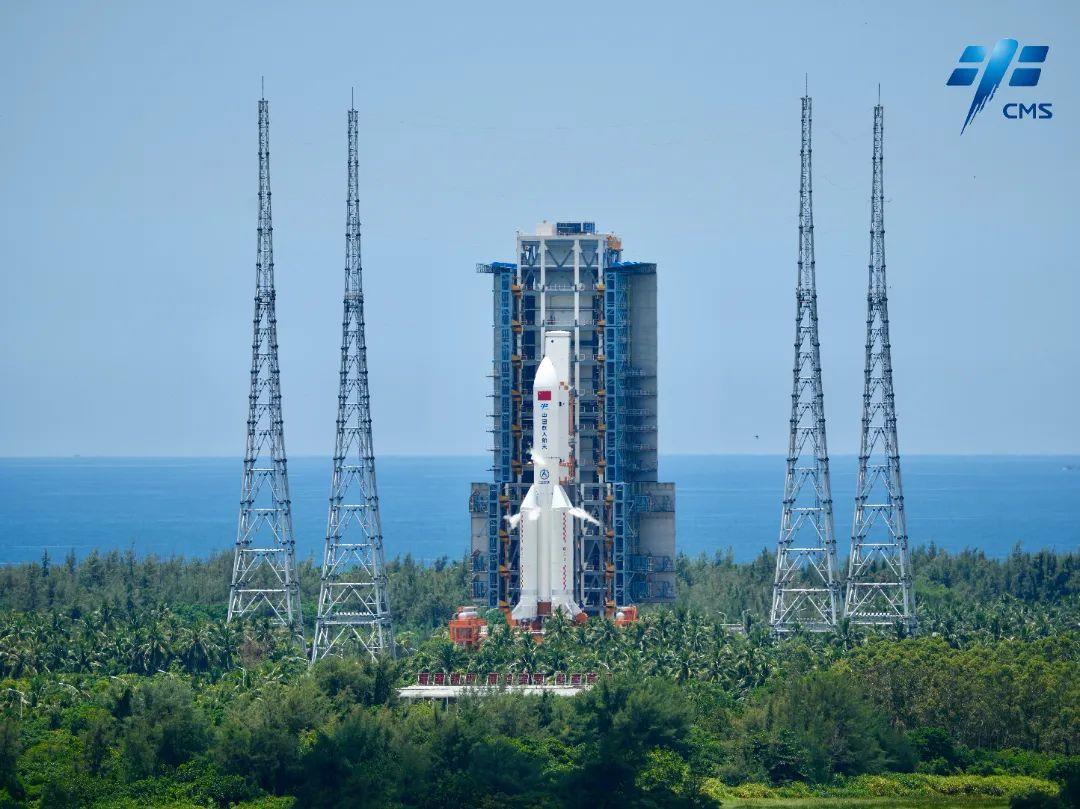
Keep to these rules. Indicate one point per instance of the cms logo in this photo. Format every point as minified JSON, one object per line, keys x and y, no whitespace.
{"x":1017,"y":111}
{"x":990,"y":66}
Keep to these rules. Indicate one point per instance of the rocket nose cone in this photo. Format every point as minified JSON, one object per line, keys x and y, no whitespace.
{"x":546,"y":376}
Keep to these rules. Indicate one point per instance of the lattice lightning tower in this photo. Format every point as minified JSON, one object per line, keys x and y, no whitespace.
{"x":264,"y":566}
{"x":354,"y":612}
{"x":879,"y":569}
{"x":806,"y":588}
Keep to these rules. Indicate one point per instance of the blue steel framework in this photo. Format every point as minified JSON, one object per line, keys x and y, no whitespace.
{"x":615,"y":418}
{"x":623,"y":416}
{"x":505,"y":363}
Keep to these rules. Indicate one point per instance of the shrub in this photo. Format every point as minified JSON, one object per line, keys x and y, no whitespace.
{"x":1035,"y":800}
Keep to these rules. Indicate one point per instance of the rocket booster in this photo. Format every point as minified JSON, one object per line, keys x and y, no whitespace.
{"x":545,"y":522}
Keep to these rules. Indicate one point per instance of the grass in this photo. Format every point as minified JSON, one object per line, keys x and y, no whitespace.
{"x":869,"y":803}
{"x":894,"y":789}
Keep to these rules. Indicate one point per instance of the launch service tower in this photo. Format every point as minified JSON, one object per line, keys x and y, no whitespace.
{"x":569,"y":278}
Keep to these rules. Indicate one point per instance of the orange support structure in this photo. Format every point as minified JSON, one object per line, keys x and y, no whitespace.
{"x":467,"y":628}
{"x":624,"y":616}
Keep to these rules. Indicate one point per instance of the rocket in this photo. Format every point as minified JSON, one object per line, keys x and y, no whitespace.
{"x":545,"y":522}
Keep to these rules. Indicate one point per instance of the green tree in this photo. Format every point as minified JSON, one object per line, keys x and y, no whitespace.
{"x":166,"y":727}
{"x":10,"y":746}
{"x":830,"y":718}
{"x":263,"y":734}
{"x":616,"y":724}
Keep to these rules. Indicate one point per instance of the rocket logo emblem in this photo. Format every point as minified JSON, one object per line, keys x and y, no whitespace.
{"x":998,"y":64}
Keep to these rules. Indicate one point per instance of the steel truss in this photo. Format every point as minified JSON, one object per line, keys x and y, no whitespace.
{"x":879,"y":568}
{"x":353,"y":611}
{"x":264,"y":567}
{"x":806,"y":587}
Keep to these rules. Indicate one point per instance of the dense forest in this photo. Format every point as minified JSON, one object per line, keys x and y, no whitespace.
{"x":121,"y":686}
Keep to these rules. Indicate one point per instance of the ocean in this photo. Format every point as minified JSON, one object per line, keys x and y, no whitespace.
{"x":188,"y":506}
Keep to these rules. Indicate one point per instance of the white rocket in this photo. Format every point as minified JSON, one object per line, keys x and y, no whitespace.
{"x":546,"y":517}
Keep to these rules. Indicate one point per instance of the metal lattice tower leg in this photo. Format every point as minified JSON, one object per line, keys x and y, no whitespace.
{"x":806,"y":588}
{"x":354,"y":612}
{"x":264,"y":567}
{"x":879,"y":569}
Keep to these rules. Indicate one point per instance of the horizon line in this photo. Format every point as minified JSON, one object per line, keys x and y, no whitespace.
{"x":306,"y":456}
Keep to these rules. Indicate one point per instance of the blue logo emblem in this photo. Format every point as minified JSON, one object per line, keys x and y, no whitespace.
{"x":1001,"y":57}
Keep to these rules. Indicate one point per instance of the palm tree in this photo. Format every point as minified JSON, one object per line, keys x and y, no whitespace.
{"x":448,"y":657}
{"x":195,"y":645}
{"x":525,"y":653}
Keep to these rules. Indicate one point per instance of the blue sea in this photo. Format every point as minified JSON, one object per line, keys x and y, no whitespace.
{"x":188,"y":506}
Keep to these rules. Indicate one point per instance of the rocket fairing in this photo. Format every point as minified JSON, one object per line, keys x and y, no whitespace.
{"x":545,"y":522}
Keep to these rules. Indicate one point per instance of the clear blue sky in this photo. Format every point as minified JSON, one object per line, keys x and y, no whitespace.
{"x":128,"y":207}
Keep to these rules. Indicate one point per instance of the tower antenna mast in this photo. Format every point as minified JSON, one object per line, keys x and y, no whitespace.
{"x":264,"y":564}
{"x":354,"y":611}
{"x":879,"y":568}
{"x":806,"y":586}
